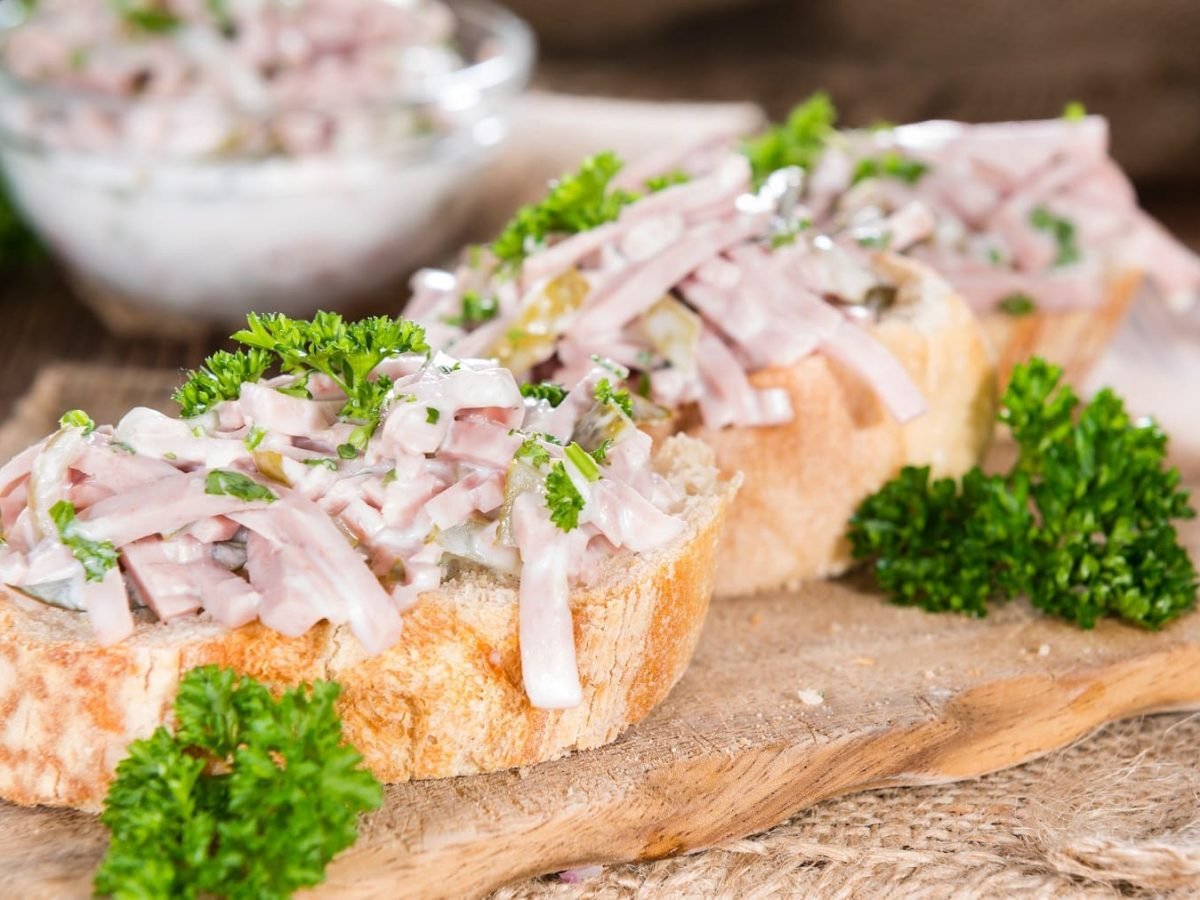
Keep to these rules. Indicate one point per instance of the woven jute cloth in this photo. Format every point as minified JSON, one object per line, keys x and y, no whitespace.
{"x":1117,"y":814}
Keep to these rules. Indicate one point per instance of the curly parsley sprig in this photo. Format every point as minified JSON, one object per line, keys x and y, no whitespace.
{"x":798,"y":141}
{"x":252,"y":796}
{"x":1082,"y":524}
{"x":347,"y":352}
{"x":576,"y":202}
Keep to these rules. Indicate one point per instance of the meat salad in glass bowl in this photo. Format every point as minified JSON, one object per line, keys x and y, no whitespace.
{"x":187,"y":160}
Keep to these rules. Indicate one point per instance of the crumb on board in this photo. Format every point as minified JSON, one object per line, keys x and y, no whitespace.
{"x":756,"y":619}
{"x":811,"y":697}
{"x":864,"y":661}
{"x":1044,"y":650}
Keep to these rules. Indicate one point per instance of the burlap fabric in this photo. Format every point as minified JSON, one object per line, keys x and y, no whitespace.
{"x":1118,"y":814}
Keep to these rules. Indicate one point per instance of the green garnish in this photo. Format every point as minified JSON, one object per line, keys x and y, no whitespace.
{"x":219,"y":10}
{"x":786,"y":236}
{"x":600,"y":454}
{"x":656,"y":183}
{"x":1017,"y":304}
{"x":553,"y":394}
{"x":96,"y":557}
{"x":618,"y":398}
{"x":146,"y":15}
{"x":533,"y":452}
{"x":1063,"y":232}
{"x":1074,"y":111}
{"x":583,"y":461}
{"x":220,"y":378}
{"x":252,"y":796}
{"x":332,"y":465}
{"x":432,"y":415}
{"x":799,"y":141}
{"x":235,"y":484}
{"x":879,"y":241}
{"x":1082,"y":523}
{"x":475,"y":311}
{"x":576,"y":202}
{"x":891,"y":165}
{"x":18,"y":246}
{"x":77,"y":418}
{"x":255,"y":437}
{"x":562,"y":498}
{"x":346,"y":352}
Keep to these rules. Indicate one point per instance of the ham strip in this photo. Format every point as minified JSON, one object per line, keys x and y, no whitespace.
{"x":303,"y":545}
{"x":161,"y":507}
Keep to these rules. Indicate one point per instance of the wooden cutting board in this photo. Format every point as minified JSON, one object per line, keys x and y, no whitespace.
{"x":791,"y":699}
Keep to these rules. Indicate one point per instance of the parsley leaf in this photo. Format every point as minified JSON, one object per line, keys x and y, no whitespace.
{"x":1063,"y":232}
{"x":799,"y":141}
{"x":96,"y":557}
{"x":577,"y":202}
{"x":891,"y":165}
{"x":432,"y":415}
{"x":1082,"y":524}
{"x":600,"y":454}
{"x":553,"y":394}
{"x":254,"y":438}
{"x":1017,"y":304}
{"x":533,"y":452}
{"x":332,"y":464}
{"x":345,"y":351}
{"x":77,"y":418}
{"x":220,"y":378}
{"x":656,"y":183}
{"x":146,"y":15}
{"x":475,"y":311}
{"x":235,"y":484}
{"x":562,"y":498}
{"x":786,"y":235}
{"x":251,"y":797}
{"x":618,"y":398}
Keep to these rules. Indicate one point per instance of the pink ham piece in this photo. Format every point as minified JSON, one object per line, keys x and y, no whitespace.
{"x":267,"y":408}
{"x":300,"y":545}
{"x":478,"y":492}
{"x":164,"y":583}
{"x":854,"y":347}
{"x":633,"y":292}
{"x":226,"y":597}
{"x":546,"y":632}
{"x":481,"y":443}
{"x":107,"y":607}
{"x":161,"y":507}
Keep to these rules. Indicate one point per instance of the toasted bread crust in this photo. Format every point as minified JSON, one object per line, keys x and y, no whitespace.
{"x":803,"y":480}
{"x":1073,"y":339}
{"x":446,"y":700}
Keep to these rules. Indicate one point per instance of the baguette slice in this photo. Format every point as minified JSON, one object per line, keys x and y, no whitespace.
{"x":803,"y":480}
{"x":1073,"y":338}
{"x":446,"y":700}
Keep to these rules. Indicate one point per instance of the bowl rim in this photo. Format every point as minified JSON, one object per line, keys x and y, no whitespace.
{"x":511,"y":68}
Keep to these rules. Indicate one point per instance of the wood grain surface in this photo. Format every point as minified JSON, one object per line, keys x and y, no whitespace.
{"x":791,"y":699}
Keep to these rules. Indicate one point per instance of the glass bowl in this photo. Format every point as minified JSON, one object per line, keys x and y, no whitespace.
{"x":160,"y":240}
